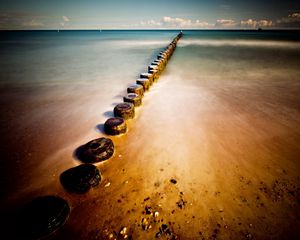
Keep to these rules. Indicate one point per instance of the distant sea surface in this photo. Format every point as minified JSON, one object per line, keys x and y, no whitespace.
{"x":65,"y":57}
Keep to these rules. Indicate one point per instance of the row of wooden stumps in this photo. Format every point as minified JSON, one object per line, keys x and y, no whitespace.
{"x":44,"y":215}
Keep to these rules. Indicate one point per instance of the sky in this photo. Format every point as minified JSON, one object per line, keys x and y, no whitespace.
{"x":154,"y":14}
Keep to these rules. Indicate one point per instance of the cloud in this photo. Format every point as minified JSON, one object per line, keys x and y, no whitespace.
{"x":225,"y":23}
{"x":185,"y":23}
{"x":20,"y":20}
{"x":66,"y":19}
{"x":180,"y":23}
{"x":291,"y":21}
{"x":150,"y":23}
{"x":256,"y":23}
{"x":33,"y":23}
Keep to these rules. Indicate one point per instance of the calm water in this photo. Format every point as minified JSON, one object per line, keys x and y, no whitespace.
{"x":224,"y":120}
{"x":50,"y":57}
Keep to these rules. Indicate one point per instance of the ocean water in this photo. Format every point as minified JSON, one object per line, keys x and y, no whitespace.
{"x":50,"y":57}
{"x":223,"y":120}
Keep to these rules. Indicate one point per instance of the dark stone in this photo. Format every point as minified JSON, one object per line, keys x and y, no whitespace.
{"x":158,"y":235}
{"x":174,"y":181}
{"x":148,"y":210}
{"x":42,"y":216}
{"x":164,"y":227}
{"x":115,"y":126}
{"x":124,"y":110}
{"x":97,"y":150}
{"x":136,"y":88}
{"x":81,"y":178}
{"x":133,"y":98}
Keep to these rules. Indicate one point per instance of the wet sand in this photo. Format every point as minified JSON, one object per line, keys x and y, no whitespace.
{"x":232,"y":147}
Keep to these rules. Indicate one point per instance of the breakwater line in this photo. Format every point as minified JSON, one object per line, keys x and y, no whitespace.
{"x":45,"y":214}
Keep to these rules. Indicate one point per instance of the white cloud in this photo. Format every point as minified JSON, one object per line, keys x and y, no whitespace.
{"x":225,"y":23}
{"x":150,"y":23}
{"x":256,"y":23}
{"x":33,"y":23}
{"x":292,"y":20}
{"x":66,"y":19}
{"x":265,"y":23}
{"x":202,"y":24}
{"x":180,"y":23}
{"x":176,"y":22}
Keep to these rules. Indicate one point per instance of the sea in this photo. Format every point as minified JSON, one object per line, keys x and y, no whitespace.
{"x":223,"y":120}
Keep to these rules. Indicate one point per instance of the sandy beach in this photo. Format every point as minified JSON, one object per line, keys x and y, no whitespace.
{"x":214,"y":152}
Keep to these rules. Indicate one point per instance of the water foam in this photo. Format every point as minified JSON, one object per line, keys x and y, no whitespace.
{"x":239,"y":43}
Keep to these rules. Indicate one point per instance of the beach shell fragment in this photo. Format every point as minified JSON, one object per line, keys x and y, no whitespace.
{"x":97,"y":150}
{"x":81,"y":178}
{"x":115,"y":125}
{"x":42,"y":216}
{"x":133,"y":98}
{"x":124,"y":110}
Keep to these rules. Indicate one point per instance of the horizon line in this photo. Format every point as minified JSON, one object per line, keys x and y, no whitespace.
{"x":152,"y":29}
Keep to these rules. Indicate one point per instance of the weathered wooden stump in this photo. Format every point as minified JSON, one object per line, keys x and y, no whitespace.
{"x":42,"y":216}
{"x":136,"y":88}
{"x":124,"y":110}
{"x":133,"y":98}
{"x":159,"y":65}
{"x":148,"y":76}
{"x":155,"y":74}
{"x":153,"y":67}
{"x":97,"y":150}
{"x":115,"y":125}
{"x":144,"y":82}
{"x":81,"y":178}
{"x":160,"y":56}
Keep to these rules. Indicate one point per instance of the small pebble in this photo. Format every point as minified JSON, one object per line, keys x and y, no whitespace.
{"x":174,"y":181}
